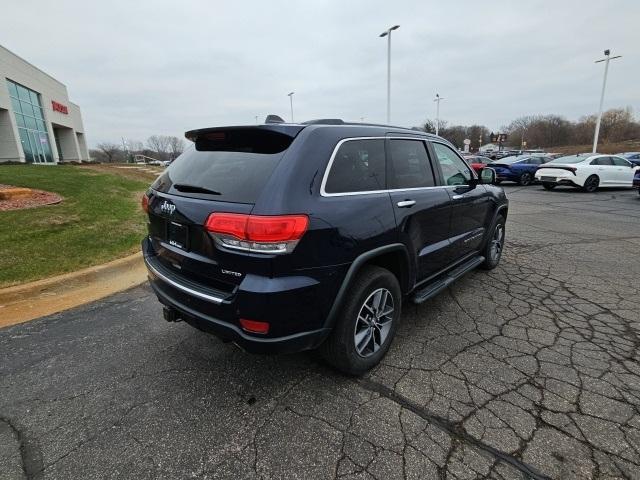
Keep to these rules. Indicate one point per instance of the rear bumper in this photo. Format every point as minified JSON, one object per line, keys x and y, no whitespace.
{"x":557,"y":176}
{"x":295,"y":307}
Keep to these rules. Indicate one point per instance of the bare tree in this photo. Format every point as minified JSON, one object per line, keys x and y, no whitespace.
{"x":110,"y":150}
{"x":160,"y":145}
{"x":176,"y":147}
{"x":135,"y":146}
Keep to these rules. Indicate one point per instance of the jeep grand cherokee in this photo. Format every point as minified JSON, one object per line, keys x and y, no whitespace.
{"x":286,"y":237}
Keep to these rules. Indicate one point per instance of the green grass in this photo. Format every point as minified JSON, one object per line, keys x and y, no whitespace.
{"x":100,"y":219}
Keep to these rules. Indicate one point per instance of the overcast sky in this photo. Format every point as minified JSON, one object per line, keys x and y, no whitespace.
{"x":138,"y":68}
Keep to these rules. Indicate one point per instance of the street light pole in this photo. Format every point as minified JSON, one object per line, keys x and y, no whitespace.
{"x":290,"y":95}
{"x":437,"y":100}
{"x":387,"y":33}
{"x":604,"y":84}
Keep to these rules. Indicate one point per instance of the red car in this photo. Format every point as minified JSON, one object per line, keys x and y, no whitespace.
{"x":477,"y":162}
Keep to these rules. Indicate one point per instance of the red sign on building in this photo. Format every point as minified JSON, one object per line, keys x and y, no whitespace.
{"x":58,"y":107}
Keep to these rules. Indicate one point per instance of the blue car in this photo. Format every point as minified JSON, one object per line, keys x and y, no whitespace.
{"x":520,"y":169}
{"x":636,"y":180}
{"x":633,"y":157}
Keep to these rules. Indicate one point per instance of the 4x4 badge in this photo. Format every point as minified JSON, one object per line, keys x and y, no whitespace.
{"x":167,"y":207}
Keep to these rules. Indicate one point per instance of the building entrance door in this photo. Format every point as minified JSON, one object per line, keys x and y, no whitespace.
{"x":36,"y":147}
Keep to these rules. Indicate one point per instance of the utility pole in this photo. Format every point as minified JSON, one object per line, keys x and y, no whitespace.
{"x":387,"y":33}
{"x":256,"y":119}
{"x":290,"y":95}
{"x":604,"y":84}
{"x":437,"y":100}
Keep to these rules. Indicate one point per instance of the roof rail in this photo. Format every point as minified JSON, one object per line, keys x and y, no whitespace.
{"x":325,"y":121}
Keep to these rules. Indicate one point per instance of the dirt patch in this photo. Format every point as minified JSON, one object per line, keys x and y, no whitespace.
{"x":128,"y":170}
{"x":36,"y":198}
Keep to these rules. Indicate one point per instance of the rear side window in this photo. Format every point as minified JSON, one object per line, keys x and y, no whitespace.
{"x":602,"y":161}
{"x":409,"y":165}
{"x":358,"y":166}
{"x":233,"y":168}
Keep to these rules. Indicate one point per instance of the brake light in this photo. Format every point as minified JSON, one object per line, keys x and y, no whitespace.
{"x":145,"y":203}
{"x":254,"y":326}
{"x":257,"y":233}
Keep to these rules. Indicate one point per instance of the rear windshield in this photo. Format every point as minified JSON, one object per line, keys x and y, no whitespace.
{"x":231,"y":173}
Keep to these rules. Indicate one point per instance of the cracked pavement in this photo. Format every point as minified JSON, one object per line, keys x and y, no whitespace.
{"x":531,"y":370}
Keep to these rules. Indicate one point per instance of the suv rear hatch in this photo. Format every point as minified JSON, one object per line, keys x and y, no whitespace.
{"x":225,"y":171}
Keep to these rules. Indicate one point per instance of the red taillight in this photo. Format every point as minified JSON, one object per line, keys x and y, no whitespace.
{"x":145,"y":203}
{"x":254,"y":326}
{"x":258,"y":233}
{"x":227,"y":223}
{"x":280,"y":228}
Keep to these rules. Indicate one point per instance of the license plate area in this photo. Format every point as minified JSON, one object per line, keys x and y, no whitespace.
{"x":548,"y":179}
{"x":177,"y":235}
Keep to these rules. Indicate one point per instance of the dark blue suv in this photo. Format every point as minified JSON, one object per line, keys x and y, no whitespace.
{"x":286,"y":237}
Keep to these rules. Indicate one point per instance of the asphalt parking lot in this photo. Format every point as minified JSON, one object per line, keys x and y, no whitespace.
{"x":529,"y":371}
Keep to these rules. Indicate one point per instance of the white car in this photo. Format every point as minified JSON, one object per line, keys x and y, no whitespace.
{"x":587,"y":171}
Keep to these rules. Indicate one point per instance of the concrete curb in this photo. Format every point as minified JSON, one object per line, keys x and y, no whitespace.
{"x":25,"y":302}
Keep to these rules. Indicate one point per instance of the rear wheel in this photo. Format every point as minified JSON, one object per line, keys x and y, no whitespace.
{"x":525,"y":179}
{"x":548,"y":185}
{"x":495,"y":244}
{"x":366,"y":324}
{"x":591,"y":184}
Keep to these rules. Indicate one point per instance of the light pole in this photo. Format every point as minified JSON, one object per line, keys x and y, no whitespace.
{"x":387,"y":33}
{"x":290,"y":95}
{"x":604,"y":84}
{"x":437,"y":100}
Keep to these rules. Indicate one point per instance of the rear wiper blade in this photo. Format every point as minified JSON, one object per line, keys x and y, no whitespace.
{"x":194,"y":189}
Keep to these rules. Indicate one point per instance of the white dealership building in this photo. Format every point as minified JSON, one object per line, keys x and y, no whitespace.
{"x":38,"y":122}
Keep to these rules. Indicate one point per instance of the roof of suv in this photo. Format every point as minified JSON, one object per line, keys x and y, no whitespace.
{"x":292,"y":129}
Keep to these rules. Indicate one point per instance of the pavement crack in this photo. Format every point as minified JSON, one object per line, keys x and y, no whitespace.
{"x":30,"y":457}
{"x":451,"y":428}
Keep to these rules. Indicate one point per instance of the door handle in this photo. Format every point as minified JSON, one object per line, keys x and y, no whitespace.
{"x":406,"y":203}
{"x":457,"y":197}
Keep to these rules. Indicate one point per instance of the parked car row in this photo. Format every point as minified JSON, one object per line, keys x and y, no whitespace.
{"x":587,"y":171}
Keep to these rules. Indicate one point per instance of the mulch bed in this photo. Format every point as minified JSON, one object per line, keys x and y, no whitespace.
{"x":38,"y":199}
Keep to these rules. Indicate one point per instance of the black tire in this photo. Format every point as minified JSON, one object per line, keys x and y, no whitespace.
{"x":491,"y":258}
{"x":591,"y":184}
{"x":548,"y":185}
{"x":525,"y":179}
{"x":339,"y":350}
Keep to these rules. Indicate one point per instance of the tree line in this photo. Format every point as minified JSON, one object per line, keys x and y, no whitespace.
{"x":158,"y":147}
{"x":545,"y":131}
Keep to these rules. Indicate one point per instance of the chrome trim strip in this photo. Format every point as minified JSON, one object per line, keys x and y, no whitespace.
{"x":179,"y":286}
{"x":323,"y":192}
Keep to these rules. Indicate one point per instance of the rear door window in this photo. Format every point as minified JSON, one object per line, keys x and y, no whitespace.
{"x":358,"y":166}
{"x":602,"y":161}
{"x":409,"y":165}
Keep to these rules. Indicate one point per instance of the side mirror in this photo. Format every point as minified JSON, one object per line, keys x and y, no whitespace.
{"x":488,"y":176}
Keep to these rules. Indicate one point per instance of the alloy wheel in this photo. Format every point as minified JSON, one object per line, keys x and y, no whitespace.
{"x":591,"y":185}
{"x":497,"y":242}
{"x":525,"y":179}
{"x":374,"y":322}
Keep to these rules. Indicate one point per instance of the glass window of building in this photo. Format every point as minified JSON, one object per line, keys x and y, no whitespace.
{"x":34,"y":137}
